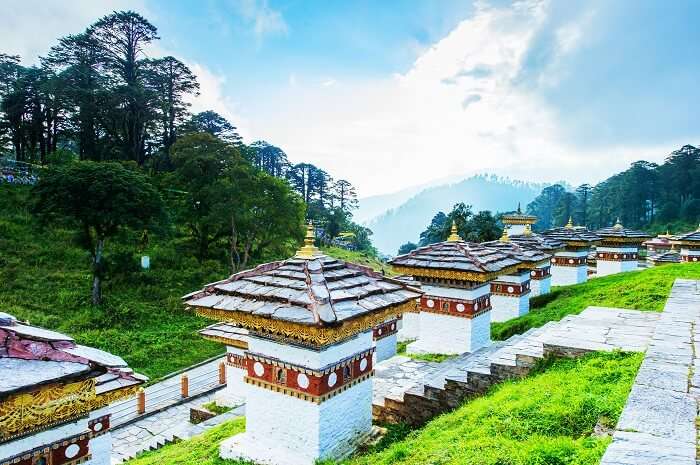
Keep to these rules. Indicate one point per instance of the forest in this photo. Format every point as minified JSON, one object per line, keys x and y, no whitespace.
{"x":648,"y":196}
{"x":121,"y":158}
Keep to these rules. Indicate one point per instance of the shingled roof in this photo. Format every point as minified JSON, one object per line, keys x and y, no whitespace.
{"x":666,"y":257}
{"x":621,"y":233}
{"x":538,"y":242}
{"x":31,"y":356}
{"x":518,"y":217}
{"x":693,"y":236}
{"x":319,"y":291}
{"x":457,"y":257}
{"x":529,"y":256}
{"x":571,"y":233}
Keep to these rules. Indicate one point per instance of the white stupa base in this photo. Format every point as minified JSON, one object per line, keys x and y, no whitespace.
{"x":244,"y":447}
{"x":540,"y":286}
{"x":409,"y":327}
{"x":605,"y":268}
{"x":451,"y":335}
{"x":568,"y":275}
{"x":504,"y":308}
{"x":385,"y":348}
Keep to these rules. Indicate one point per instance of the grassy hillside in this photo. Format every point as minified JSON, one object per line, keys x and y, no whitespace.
{"x":643,"y":290}
{"x":360,"y":258}
{"x":45,"y":278}
{"x":548,"y":418}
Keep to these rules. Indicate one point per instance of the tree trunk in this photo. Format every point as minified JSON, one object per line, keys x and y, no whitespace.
{"x":97,"y":272}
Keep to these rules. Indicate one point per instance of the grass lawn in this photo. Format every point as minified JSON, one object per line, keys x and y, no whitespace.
{"x":642,"y":290}
{"x":547,"y":418}
{"x":359,"y":258}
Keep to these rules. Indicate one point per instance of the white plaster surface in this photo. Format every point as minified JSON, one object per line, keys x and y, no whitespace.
{"x":606,"y":267}
{"x":516,"y":278}
{"x":311,"y":358}
{"x":455,"y":292}
{"x":444,"y":334}
{"x":385,"y":348}
{"x":504,"y":308}
{"x":283,"y":430}
{"x":540,"y":286}
{"x":409,"y":327}
{"x":567,"y":275}
{"x":233,"y":394}
{"x":516,"y":229}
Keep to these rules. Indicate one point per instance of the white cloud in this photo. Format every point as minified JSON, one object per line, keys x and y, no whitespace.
{"x":263,"y":19}
{"x":31,"y":27}
{"x":457,"y":110}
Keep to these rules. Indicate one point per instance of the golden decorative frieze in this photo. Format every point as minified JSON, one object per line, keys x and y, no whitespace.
{"x":53,"y":404}
{"x":305,"y":334}
{"x":452,"y":274}
{"x":110,"y":397}
{"x":227,"y":341}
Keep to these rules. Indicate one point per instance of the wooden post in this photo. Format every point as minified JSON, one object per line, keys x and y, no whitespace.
{"x":185,"y":386}
{"x":222,"y":373}
{"x":141,"y":402}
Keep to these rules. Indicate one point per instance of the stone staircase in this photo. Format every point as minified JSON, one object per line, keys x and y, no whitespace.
{"x":439,"y":387}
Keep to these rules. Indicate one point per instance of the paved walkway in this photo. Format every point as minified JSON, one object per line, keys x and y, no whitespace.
{"x":658,"y":423}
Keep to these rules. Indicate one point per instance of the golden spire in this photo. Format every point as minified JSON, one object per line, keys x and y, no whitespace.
{"x":309,"y":250}
{"x":528,"y":230}
{"x":504,"y":236}
{"x":570,"y":224}
{"x":618,"y":225}
{"x":454,"y":237}
{"x":520,"y":212}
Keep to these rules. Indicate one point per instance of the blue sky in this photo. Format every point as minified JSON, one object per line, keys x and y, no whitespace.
{"x":396,"y":93}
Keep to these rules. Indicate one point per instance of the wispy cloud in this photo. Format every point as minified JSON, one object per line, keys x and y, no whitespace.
{"x":263,"y":19}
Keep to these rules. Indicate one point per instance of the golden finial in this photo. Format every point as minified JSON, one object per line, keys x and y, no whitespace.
{"x":528,"y":230}
{"x":309,"y":250}
{"x":520,"y":212}
{"x":504,"y":236}
{"x":618,"y":226}
{"x":570,"y":224}
{"x":454,"y":237}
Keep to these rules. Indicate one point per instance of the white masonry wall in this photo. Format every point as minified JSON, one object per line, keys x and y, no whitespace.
{"x":444,"y":334}
{"x":567,"y":275}
{"x":608,"y":267}
{"x":284,"y":430}
{"x":233,"y":394}
{"x":516,"y":229}
{"x":409,"y":327}
{"x":100,"y":447}
{"x":507,"y":307}
{"x":693,"y":255}
{"x":385,"y":348}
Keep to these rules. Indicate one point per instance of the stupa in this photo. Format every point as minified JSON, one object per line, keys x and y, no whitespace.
{"x":618,"y":249}
{"x":659,"y":244}
{"x":689,"y":244}
{"x":54,"y":397}
{"x":510,"y":293}
{"x":455,"y":276}
{"x":665,"y":258}
{"x":570,"y":266}
{"x":308,"y":364}
{"x":518,"y":223}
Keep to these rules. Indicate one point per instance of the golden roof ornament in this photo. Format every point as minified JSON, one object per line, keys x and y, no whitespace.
{"x":618,"y":226}
{"x":504,"y":236}
{"x":454,"y":237}
{"x":570,"y":224}
{"x":528,"y":230}
{"x":309,"y":250}
{"x":519,"y":211}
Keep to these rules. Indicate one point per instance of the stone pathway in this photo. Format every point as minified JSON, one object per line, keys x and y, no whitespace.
{"x":413,"y":391}
{"x":658,"y":423}
{"x":167,"y":413}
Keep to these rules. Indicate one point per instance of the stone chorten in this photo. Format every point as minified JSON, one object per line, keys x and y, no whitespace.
{"x":689,"y":244}
{"x":618,"y":249}
{"x":570,"y":266}
{"x":455,"y":276}
{"x":658,"y":245}
{"x":518,"y":223}
{"x":308,"y":365}
{"x":54,"y":397}
{"x":664,"y":258}
{"x":510,"y":293}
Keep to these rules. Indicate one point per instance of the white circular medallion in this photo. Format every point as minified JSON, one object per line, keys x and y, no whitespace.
{"x":72,"y":451}
{"x":476,"y":305}
{"x":380,"y":331}
{"x":393,"y":326}
{"x":532,"y":273}
{"x":97,"y":427}
{"x":510,"y":289}
{"x":332,"y":379}
{"x":430,"y":303}
{"x":553,"y":260}
{"x":259,"y":369}
{"x":615,"y":256}
{"x":460,"y":308}
{"x":571,"y":260}
{"x":303,"y":381}
{"x":695,"y":259}
{"x":363,"y":364}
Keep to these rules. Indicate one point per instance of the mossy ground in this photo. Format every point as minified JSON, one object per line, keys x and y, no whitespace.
{"x":641,"y":290}
{"x":548,"y":418}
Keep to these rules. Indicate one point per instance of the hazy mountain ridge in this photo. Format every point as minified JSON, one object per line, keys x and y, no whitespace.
{"x":483,"y":192}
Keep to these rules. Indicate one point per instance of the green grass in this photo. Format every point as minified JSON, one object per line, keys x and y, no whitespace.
{"x":216,"y":409}
{"x":438,"y":358}
{"x":545,"y":419}
{"x":45,"y":278}
{"x":642,"y":290}
{"x":360,"y":258}
{"x":200,"y":450}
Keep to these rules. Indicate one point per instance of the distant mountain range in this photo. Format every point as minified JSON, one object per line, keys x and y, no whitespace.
{"x":400,"y":217}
